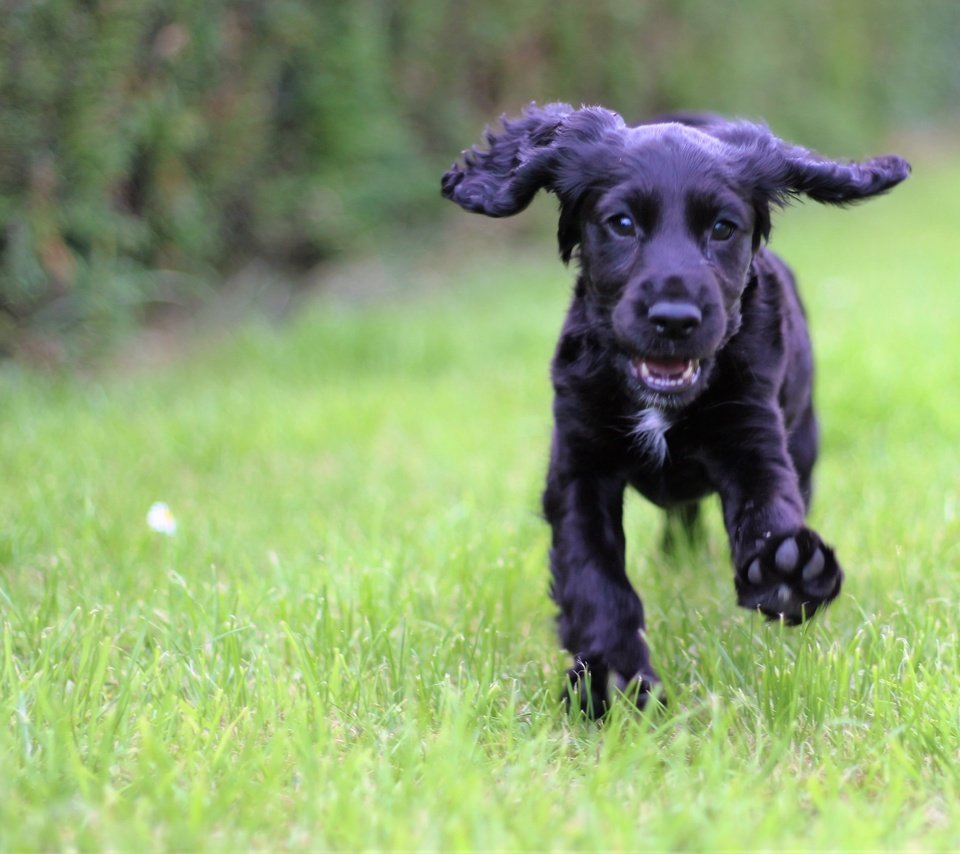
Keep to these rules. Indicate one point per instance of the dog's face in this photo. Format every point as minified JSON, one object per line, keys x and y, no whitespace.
{"x":666,"y":218}
{"x":665,"y":250}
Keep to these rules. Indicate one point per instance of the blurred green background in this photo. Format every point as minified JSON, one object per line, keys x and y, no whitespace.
{"x":150,"y":150}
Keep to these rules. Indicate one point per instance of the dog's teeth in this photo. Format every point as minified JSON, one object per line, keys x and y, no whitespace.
{"x":667,"y":383}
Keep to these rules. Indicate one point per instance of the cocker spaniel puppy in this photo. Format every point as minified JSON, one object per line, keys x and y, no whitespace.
{"x":684,"y":365}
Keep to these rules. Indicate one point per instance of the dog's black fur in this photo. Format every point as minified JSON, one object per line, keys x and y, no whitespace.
{"x":684,"y":365}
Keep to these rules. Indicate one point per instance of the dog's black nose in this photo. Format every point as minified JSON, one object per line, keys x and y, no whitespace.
{"x":676,"y":319}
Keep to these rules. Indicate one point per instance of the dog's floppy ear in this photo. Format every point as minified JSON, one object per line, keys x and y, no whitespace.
{"x":838,"y":183}
{"x":778,"y":171}
{"x":782,"y":170}
{"x":521,"y":157}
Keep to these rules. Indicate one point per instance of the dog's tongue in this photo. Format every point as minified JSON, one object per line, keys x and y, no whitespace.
{"x":667,"y":375}
{"x":667,"y":368}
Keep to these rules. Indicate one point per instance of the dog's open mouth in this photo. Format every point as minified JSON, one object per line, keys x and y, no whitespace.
{"x":667,"y":375}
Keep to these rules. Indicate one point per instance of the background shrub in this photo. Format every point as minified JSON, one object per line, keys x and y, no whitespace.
{"x":148,"y":148}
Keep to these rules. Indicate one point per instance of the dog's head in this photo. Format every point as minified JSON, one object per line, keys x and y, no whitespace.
{"x":664,"y":218}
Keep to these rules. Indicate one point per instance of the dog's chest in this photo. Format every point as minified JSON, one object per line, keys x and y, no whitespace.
{"x":649,"y":434}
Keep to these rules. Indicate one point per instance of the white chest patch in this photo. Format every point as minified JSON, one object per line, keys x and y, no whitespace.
{"x":648,"y":434}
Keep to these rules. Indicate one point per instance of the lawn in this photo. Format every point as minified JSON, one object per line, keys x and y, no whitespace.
{"x":348,"y":643}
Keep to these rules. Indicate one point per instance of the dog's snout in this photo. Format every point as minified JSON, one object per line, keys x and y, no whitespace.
{"x":676,"y":319}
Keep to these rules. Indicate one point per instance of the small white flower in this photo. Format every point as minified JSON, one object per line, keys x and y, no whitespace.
{"x":161,"y":519}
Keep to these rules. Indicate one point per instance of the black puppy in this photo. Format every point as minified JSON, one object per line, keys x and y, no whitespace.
{"x":684,"y":365}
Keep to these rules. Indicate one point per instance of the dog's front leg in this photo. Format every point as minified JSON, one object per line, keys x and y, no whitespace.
{"x":601,"y":617}
{"x":783,"y":568}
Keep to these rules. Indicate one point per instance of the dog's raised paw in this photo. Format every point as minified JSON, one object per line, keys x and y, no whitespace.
{"x":790,"y":578}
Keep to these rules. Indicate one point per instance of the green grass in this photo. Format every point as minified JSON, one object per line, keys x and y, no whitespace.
{"x":348,"y":644}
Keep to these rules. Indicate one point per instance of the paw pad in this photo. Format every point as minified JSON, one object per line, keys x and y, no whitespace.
{"x":787,"y":555}
{"x":791,"y":578}
{"x":814,"y":566}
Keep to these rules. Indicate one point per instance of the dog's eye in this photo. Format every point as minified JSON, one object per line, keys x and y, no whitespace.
{"x":622,"y":225}
{"x":722,"y":229}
